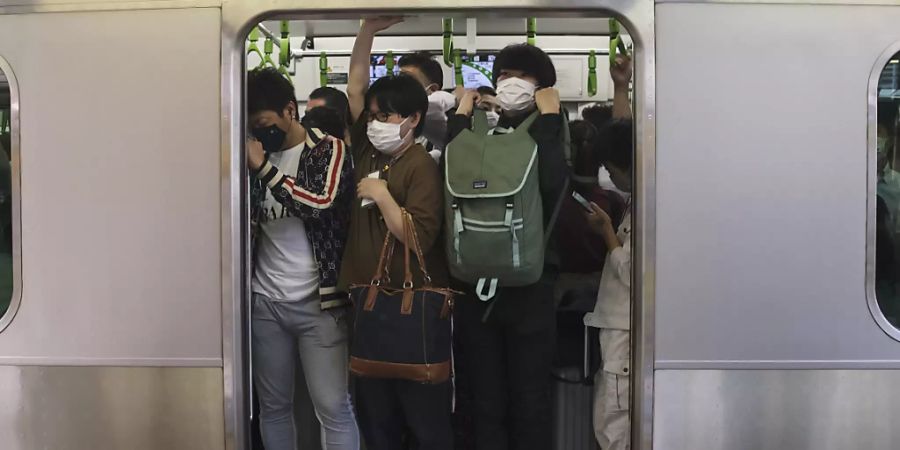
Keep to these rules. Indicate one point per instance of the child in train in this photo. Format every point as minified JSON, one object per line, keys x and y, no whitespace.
{"x":612,"y":312}
{"x":394,"y":172}
{"x":509,"y":355}
{"x":301,"y":194}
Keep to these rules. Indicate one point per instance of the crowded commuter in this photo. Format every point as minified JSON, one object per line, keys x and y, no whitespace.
{"x":301,"y":191}
{"x":427,"y":71}
{"x":585,"y":252}
{"x":620,"y":108}
{"x":487,"y":101}
{"x":394,"y":174}
{"x":509,"y":339}
{"x":334,"y":99}
{"x":612,"y":312}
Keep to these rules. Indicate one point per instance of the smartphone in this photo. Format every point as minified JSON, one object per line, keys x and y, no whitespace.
{"x":582,"y":201}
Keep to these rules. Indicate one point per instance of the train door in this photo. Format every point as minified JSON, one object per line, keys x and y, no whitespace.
{"x":112,"y":337}
{"x":240,"y":19}
{"x":773,"y":316}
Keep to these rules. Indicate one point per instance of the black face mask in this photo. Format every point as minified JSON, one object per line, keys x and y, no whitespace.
{"x":271,"y":137}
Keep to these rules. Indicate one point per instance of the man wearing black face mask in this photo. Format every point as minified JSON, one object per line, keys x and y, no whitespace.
{"x":300,"y":200}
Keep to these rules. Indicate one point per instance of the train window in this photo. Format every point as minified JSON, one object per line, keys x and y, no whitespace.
{"x":9,"y":145}
{"x":884,"y":144}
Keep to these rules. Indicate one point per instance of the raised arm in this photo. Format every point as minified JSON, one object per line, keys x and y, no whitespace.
{"x":302,"y":202}
{"x":360,"y":62}
{"x":621,"y":73}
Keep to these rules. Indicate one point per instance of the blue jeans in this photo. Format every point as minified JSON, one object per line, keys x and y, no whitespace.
{"x":281,"y":331}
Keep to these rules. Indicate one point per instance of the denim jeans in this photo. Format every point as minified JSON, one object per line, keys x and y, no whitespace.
{"x":281,"y":332}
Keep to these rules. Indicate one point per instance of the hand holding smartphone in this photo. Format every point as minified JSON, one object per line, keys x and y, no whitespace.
{"x":366,"y":203}
{"x":582,"y":201}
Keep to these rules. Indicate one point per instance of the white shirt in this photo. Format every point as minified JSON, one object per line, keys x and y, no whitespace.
{"x":286,"y":269}
{"x":613,"y":307}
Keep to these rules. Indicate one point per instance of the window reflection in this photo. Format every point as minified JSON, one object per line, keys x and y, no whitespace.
{"x":6,"y":260}
{"x":887,"y":211}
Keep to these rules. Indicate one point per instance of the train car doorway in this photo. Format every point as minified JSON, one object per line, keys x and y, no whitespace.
{"x":314,"y":52}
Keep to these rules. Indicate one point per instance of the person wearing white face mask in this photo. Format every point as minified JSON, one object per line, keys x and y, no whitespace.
{"x":620,"y":109}
{"x":508,"y":357}
{"x":393,"y":172}
{"x":428,"y":72}
{"x":612,"y":311}
{"x":487,"y":101}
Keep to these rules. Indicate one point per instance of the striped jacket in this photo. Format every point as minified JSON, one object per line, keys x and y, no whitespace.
{"x":320,"y":194}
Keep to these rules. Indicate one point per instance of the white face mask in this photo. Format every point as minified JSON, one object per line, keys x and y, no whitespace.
{"x":386,"y":136}
{"x":493,"y":118}
{"x":440,"y":102}
{"x":605,"y":182}
{"x":515,"y":94}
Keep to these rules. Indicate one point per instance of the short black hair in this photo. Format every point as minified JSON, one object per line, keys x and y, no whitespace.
{"x":268,"y":90}
{"x":617,"y":144}
{"x":427,"y":65}
{"x":326,"y":119}
{"x":486,"y":90}
{"x":399,"y":94}
{"x":334,"y":99}
{"x":598,"y":115}
{"x":529,"y":59}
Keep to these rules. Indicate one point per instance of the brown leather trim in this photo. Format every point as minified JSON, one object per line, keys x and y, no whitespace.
{"x":406,"y":303}
{"x":370,"y":298}
{"x":373,"y":290}
{"x":448,"y":303}
{"x":422,"y":373}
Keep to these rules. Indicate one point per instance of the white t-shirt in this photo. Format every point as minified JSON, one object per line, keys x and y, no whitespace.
{"x":286,"y":269}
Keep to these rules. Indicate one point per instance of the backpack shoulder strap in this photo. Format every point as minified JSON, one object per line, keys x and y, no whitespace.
{"x":556,"y":208}
{"x":567,"y":153}
{"x":567,"y":139}
{"x":525,"y":126}
{"x":480,"y":123}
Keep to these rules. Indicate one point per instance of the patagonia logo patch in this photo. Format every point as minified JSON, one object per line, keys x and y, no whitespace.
{"x":479,"y":184}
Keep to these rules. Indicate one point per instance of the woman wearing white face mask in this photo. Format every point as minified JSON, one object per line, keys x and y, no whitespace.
{"x":393,"y":172}
{"x":508,"y":357}
{"x":487,"y":101}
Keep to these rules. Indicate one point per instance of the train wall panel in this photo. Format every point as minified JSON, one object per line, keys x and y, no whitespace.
{"x":120,"y":165}
{"x":762,"y":188}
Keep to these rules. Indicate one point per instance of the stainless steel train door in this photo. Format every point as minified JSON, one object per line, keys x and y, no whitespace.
{"x":117,"y":342}
{"x":764,"y":334}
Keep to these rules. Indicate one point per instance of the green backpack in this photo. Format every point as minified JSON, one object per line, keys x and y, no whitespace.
{"x":493,"y":207}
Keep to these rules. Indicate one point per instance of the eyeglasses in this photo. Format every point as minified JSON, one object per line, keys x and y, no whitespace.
{"x":379,"y":116}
